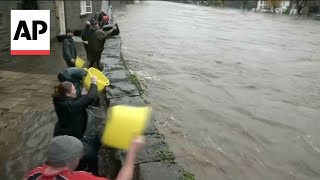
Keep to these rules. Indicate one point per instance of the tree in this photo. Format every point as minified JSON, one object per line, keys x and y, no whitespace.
{"x":300,"y":5}
{"x":274,"y":4}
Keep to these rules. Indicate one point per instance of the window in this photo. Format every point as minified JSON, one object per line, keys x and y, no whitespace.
{"x":85,"y":7}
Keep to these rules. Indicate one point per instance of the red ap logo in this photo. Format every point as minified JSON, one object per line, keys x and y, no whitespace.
{"x":30,"y":32}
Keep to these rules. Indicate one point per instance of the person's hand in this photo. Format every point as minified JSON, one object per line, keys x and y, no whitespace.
{"x":137,"y":144}
{"x":84,"y":91}
{"x":114,"y":28}
{"x":72,"y":60}
{"x":94,"y":79}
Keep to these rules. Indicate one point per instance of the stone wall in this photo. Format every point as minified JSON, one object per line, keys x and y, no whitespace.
{"x":156,"y":161}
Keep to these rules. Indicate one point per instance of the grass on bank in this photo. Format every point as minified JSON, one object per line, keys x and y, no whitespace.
{"x":132,"y":77}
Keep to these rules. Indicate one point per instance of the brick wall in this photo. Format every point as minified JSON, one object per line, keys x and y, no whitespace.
{"x":72,"y":12}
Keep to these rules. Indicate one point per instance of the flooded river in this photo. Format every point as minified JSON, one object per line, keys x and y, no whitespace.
{"x":237,"y":94}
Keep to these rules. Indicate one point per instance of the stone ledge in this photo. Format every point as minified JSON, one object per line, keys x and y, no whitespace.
{"x":135,"y":101}
{"x":121,"y":89}
{"x":158,"y":171}
{"x":116,"y":76}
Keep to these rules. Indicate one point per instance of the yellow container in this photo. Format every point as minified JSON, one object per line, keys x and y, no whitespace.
{"x":80,"y":62}
{"x":102,"y":81}
{"x":123,"y":124}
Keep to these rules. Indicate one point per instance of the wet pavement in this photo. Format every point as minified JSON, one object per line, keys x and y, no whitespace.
{"x":236,"y":93}
{"x":27,"y":117}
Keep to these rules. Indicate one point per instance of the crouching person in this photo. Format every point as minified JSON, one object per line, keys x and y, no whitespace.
{"x":63,"y":155}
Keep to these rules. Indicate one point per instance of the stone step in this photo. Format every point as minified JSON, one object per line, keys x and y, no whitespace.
{"x":121,"y":89}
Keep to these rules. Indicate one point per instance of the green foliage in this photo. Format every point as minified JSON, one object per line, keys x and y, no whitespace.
{"x":186,"y":175}
{"x":132,"y":77}
{"x":166,"y":156}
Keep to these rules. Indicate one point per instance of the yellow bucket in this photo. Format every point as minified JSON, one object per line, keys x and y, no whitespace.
{"x":79,"y":62}
{"x":102,"y":81}
{"x":123,"y":123}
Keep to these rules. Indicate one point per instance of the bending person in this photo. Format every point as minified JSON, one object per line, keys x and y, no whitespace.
{"x":96,"y":44}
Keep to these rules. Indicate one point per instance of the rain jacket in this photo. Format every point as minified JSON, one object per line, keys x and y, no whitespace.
{"x":96,"y":41}
{"x":69,"y":51}
{"x":72,"y":114}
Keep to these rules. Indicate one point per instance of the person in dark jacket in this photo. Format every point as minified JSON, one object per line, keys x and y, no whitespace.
{"x":85,"y":35}
{"x":70,"y":110}
{"x":102,"y":13}
{"x":104,"y":21}
{"x":69,"y":51}
{"x":96,"y":44}
{"x":73,"y":118}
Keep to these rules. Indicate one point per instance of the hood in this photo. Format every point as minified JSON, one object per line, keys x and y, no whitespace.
{"x":105,"y":18}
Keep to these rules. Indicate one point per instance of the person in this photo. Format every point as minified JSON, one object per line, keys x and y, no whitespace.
{"x":104,"y":21}
{"x":101,"y":15}
{"x":74,"y":75}
{"x":63,"y":156}
{"x":70,"y":110}
{"x":73,"y":119}
{"x":96,"y":44}
{"x":85,"y":36}
{"x":69,"y":51}
{"x":96,"y":16}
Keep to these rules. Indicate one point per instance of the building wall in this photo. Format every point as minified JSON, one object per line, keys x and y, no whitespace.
{"x":50,"y":5}
{"x":261,"y":3}
{"x":5,"y":7}
{"x":72,"y":14}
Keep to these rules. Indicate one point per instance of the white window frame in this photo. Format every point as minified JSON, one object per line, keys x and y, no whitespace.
{"x":84,"y":5}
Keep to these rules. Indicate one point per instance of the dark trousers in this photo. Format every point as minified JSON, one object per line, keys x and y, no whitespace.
{"x":89,"y":162}
{"x":94,"y":58}
{"x":86,"y":48}
{"x":69,"y":63}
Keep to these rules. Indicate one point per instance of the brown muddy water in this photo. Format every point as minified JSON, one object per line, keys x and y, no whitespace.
{"x":236,"y":93}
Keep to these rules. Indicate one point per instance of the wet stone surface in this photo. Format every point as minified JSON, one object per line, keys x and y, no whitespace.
{"x":108,"y":61}
{"x":151,"y":129}
{"x":135,"y":101}
{"x":113,"y":43}
{"x":116,"y":76}
{"x":121,"y":89}
{"x":159,"y":171}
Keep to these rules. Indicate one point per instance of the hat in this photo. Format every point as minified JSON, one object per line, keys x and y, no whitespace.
{"x":88,"y":23}
{"x":63,"y":150}
{"x":94,"y":22}
{"x":69,"y":31}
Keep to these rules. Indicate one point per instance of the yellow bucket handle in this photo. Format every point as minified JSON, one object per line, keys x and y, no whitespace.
{"x":86,"y":69}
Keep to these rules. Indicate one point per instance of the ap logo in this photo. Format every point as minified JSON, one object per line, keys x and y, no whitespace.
{"x":30,"y":32}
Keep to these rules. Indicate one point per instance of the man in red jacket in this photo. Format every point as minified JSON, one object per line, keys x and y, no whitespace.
{"x":63,"y":155}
